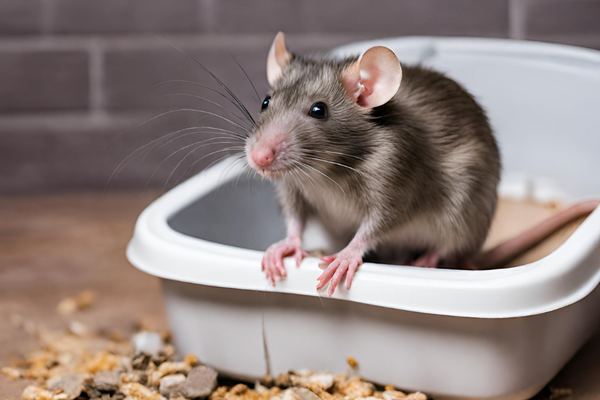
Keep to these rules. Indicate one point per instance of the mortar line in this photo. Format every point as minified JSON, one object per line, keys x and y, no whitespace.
{"x":206,"y":16}
{"x":516,"y":19}
{"x":47,"y":17}
{"x":96,"y":79}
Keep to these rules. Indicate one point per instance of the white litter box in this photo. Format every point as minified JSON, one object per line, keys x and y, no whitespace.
{"x":499,"y":334}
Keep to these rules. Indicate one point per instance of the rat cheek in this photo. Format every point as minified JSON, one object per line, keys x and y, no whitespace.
{"x":247,"y":151}
{"x":249,"y":143}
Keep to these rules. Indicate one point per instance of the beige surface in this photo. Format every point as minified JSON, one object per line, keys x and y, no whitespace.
{"x":53,"y":247}
{"x":515,"y":217}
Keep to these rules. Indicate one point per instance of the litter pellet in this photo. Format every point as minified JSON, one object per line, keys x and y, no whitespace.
{"x":81,"y":364}
{"x":169,"y":383}
{"x":107,"y":381}
{"x":12,"y":373}
{"x":71,"y":304}
{"x":352,"y":362}
{"x":148,"y":343}
{"x":71,"y":385}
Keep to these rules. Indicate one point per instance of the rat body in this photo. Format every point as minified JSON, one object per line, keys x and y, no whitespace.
{"x":419,"y":172}
{"x":379,"y":163}
{"x":385,"y":157}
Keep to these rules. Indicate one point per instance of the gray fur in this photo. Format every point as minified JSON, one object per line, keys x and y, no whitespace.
{"x":422,"y":169}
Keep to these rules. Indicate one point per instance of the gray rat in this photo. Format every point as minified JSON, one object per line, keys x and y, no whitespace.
{"x":384,"y":156}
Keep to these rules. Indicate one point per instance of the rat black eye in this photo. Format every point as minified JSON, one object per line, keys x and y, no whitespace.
{"x":318,"y":110}
{"x":265,"y":103}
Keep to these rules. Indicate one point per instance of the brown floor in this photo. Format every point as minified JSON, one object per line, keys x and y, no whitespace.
{"x":53,"y":247}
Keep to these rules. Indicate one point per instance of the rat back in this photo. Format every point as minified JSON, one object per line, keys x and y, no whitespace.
{"x":457,"y":159}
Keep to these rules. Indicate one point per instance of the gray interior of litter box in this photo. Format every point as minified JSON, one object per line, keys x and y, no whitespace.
{"x":243,"y":214}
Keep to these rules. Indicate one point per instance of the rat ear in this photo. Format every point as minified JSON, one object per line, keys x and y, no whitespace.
{"x":278,"y":60}
{"x":374,"y":78}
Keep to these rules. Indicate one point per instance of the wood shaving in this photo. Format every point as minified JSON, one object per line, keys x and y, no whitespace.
{"x":352,"y":362}
{"x":36,"y":393}
{"x":393,"y":394}
{"x":12,"y":373}
{"x":80,"y":364}
{"x":82,"y":301}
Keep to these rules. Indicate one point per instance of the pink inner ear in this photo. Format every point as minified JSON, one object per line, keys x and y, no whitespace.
{"x":351,"y":82}
{"x":376,"y":77}
{"x":363,"y":99}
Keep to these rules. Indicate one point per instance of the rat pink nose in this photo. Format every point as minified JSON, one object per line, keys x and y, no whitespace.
{"x":263,"y":156}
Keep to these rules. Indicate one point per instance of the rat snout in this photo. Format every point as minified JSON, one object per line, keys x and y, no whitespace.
{"x":266,"y":152}
{"x":263,"y":155}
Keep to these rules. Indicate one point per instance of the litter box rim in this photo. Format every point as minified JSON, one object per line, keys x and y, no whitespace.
{"x":555,"y":281}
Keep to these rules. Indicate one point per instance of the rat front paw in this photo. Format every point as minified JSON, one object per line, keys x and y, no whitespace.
{"x":346,"y":261}
{"x":272,"y":262}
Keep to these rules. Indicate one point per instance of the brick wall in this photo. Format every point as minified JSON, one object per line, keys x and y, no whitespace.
{"x":76,"y":74}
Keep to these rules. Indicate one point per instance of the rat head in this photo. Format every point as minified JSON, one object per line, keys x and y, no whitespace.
{"x":319,"y":111}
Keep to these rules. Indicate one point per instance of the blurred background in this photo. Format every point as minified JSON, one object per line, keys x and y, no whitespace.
{"x":84,"y":84}
{"x":74,"y":74}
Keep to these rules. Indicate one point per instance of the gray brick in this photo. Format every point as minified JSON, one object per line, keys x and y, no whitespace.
{"x":317,"y":42}
{"x":18,"y":17}
{"x":234,"y":16}
{"x":43,"y":80}
{"x":408,"y":17}
{"x":131,"y":71}
{"x":559,"y":17}
{"x":132,"y":68}
{"x":131,"y":16}
{"x":74,"y":152}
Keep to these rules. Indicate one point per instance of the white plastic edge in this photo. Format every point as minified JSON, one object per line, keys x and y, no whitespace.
{"x":562,"y":278}
{"x":428,"y":46}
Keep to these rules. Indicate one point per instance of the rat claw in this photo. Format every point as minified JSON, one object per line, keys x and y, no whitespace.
{"x":270,"y":277}
{"x":328,"y":273}
{"x":270,"y":268}
{"x":351,"y":270}
{"x":278,"y":257}
{"x":337,"y":277}
{"x":280,"y":268}
{"x":299,"y":256}
{"x":346,"y":261}
{"x":272,"y":262}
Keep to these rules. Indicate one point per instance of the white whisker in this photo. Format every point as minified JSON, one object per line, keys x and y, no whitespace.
{"x":325,"y":175}
{"x":201,"y":143}
{"x":334,"y":163}
{"x":339,"y":154}
{"x":239,"y":117}
{"x":214,"y":162}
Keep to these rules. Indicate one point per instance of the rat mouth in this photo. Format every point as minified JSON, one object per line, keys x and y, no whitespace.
{"x":272,"y":164}
{"x":274,"y":170}
{"x":269,"y":172}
